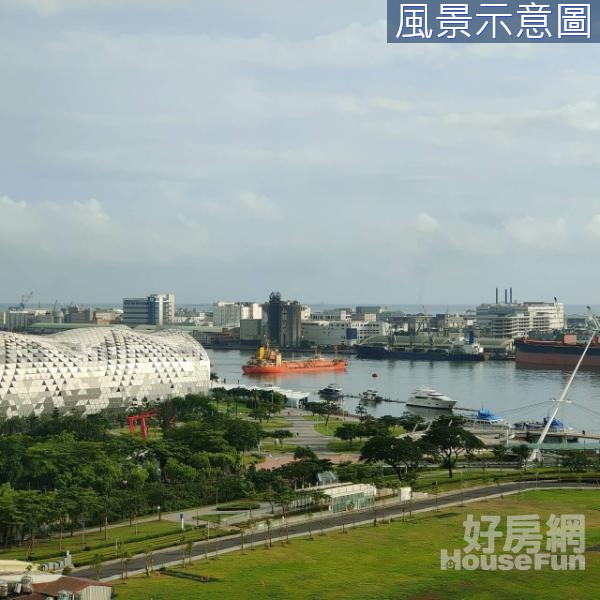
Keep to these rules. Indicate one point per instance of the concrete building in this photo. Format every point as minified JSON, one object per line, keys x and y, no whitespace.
{"x":77,"y":314}
{"x":156,"y":309}
{"x":89,"y":369}
{"x":230,"y":314}
{"x":341,"y":333}
{"x":284,"y":321}
{"x":17,"y":319}
{"x":251,"y":331}
{"x":512,"y":320}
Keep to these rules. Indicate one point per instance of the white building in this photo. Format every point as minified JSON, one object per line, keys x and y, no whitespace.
{"x":341,"y":333}
{"x":156,"y":309}
{"x":518,"y":319}
{"x":334,"y":314}
{"x":88,"y":370}
{"x":229,"y":314}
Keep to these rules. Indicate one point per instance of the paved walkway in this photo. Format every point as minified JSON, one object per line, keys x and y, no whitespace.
{"x":173,"y":556}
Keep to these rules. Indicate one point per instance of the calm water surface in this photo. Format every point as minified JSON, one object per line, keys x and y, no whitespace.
{"x":506,"y":389}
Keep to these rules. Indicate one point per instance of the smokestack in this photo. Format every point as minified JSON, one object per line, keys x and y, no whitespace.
{"x":511,"y":295}
{"x":496,"y":295}
{"x":505,"y":296}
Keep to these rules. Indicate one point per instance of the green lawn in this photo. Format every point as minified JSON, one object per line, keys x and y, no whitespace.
{"x":334,"y":423}
{"x":153,"y":534}
{"x":341,"y":446}
{"x":275,"y":423}
{"x":393,"y":561}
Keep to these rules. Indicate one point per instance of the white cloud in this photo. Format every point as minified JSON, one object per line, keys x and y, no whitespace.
{"x":259,"y":206}
{"x":86,"y":231}
{"x":541,"y":232}
{"x":426,"y":223}
{"x":47,"y":8}
{"x":593,"y":226}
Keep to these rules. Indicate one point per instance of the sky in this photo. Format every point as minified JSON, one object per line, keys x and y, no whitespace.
{"x":222,"y":150}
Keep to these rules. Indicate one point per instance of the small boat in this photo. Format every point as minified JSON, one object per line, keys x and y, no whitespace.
{"x":331,"y":391}
{"x":370,"y":396}
{"x":485,"y":418}
{"x":556,"y":425}
{"x":375,"y":375}
{"x":428,"y":398}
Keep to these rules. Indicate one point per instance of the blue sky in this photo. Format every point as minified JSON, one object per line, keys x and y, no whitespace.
{"x":225,"y":149}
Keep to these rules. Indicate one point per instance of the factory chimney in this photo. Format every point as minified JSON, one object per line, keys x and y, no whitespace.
{"x":505,"y":296}
{"x":511,"y":295}
{"x":496,"y":295}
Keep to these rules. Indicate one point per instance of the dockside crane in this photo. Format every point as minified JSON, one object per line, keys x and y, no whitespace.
{"x":25,"y":298}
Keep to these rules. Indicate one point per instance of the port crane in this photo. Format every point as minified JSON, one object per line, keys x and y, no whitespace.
{"x":25,"y":298}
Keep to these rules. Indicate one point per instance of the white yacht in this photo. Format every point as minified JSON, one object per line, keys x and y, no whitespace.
{"x":428,"y":398}
{"x":331,"y":391}
{"x":371,"y":396}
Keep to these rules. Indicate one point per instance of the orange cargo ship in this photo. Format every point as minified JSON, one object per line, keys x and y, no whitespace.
{"x":269,"y":362}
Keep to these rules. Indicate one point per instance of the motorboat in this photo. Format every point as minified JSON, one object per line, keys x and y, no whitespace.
{"x":429,"y":398}
{"x":331,"y":391}
{"x":370,"y":396}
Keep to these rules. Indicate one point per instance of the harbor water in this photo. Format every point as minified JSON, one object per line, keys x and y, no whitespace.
{"x":514,"y":393}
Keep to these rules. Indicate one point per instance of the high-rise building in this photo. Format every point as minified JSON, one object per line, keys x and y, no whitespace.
{"x":284,"y":321}
{"x":156,"y":309}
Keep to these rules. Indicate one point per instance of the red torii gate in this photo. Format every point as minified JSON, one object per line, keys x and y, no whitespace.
{"x":133,"y":419}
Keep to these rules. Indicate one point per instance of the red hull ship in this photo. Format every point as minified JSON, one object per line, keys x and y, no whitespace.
{"x":563,"y":352}
{"x":270,"y":362}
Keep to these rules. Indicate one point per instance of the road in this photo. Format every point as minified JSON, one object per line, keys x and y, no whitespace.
{"x":172,"y":556}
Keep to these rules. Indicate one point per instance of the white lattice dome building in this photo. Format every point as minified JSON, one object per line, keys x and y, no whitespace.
{"x":87,"y":370}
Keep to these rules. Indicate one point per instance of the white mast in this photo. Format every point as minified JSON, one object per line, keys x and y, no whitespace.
{"x":535,"y":453}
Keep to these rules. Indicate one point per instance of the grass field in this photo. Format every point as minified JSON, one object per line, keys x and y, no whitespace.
{"x":152,"y":534}
{"x":393,"y":561}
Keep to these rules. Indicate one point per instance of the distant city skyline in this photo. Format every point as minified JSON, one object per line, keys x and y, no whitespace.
{"x":221,"y":149}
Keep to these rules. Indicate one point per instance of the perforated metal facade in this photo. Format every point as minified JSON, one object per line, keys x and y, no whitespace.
{"x":87,"y":370}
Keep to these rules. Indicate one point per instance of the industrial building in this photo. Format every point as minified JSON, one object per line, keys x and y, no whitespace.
{"x":156,"y":309}
{"x":89,"y":369}
{"x":284,"y":321}
{"x":23,"y":580}
{"x":341,"y":333}
{"x":512,"y":320}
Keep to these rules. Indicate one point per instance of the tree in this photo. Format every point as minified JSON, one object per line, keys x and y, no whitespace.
{"x":448,"y":439}
{"x":522,"y":452}
{"x":260,"y":412}
{"x":242,"y":435}
{"x":500,"y":452}
{"x":97,"y":566}
{"x":403,"y":455}
{"x":349,"y":431}
{"x":304,"y":453}
{"x":576,"y":461}
{"x":361,"y":411}
{"x":328,"y":408}
{"x":314,"y":407}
